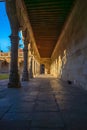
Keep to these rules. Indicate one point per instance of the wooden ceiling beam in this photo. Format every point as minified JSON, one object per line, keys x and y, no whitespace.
{"x":47,"y":18}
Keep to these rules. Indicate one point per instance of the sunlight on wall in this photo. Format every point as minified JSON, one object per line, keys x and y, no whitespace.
{"x":58,"y":65}
{"x":64,"y":59}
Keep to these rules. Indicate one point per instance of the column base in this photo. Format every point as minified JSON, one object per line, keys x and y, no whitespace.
{"x":14,"y":80}
{"x":25,"y":79}
{"x":14,"y":85}
{"x":25,"y":76}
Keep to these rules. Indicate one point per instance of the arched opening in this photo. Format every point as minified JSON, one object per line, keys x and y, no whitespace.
{"x":42,"y":69}
{"x":5,"y":67}
{"x":5,"y":29}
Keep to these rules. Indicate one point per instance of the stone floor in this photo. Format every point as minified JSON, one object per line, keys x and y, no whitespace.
{"x":43,"y":103}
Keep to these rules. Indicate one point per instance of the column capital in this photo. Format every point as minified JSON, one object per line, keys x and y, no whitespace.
{"x":14,"y":36}
{"x":21,"y":28}
{"x":26,"y":42}
{"x":25,"y":32}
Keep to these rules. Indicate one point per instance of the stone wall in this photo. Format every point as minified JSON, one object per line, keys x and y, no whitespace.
{"x":71,"y":49}
{"x":4,"y":66}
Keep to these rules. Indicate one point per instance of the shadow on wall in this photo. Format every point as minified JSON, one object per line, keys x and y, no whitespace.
{"x":73,"y":65}
{"x":72,"y":47}
{"x":65,"y":68}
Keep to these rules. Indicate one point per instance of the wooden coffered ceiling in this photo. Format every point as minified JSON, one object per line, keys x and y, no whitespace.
{"x":47,"y":18}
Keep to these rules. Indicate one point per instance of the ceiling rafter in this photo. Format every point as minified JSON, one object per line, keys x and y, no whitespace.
{"x":47,"y":18}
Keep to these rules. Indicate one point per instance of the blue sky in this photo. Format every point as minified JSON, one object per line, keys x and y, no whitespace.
{"x":5,"y":30}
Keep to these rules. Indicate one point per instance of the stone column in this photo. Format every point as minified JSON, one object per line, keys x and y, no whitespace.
{"x":35,"y":67}
{"x":25,"y":76}
{"x":30,"y":62}
{"x":14,"y":80}
{"x":33,"y":71}
{"x":31,"y":68}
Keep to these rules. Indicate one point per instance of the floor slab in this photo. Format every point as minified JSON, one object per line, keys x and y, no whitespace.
{"x":43,"y":103}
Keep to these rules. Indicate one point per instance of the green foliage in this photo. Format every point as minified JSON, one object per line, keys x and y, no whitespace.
{"x":4,"y":76}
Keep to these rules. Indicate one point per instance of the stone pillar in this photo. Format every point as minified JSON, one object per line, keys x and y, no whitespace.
{"x":14,"y":80}
{"x":35,"y":67}
{"x":31,"y":68}
{"x":25,"y":76}
{"x":30,"y":62}
{"x":33,"y":71}
{"x":56,"y":68}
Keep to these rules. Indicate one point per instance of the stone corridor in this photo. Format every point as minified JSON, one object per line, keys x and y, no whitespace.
{"x":43,"y":103}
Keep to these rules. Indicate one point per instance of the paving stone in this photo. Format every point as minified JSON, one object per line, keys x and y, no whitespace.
{"x":75,"y":120}
{"x":15,"y":125}
{"x":43,"y":104}
{"x":3,"y":110}
{"x":17,"y":116}
{"x":47,"y":128}
{"x":45,"y":99}
{"x":2,"y":113}
{"x":47,"y":119}
{"x":4,"y":102}
{"x":46,"y":106}
{"x":29,"y":98}
{"x":22,"y":107}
